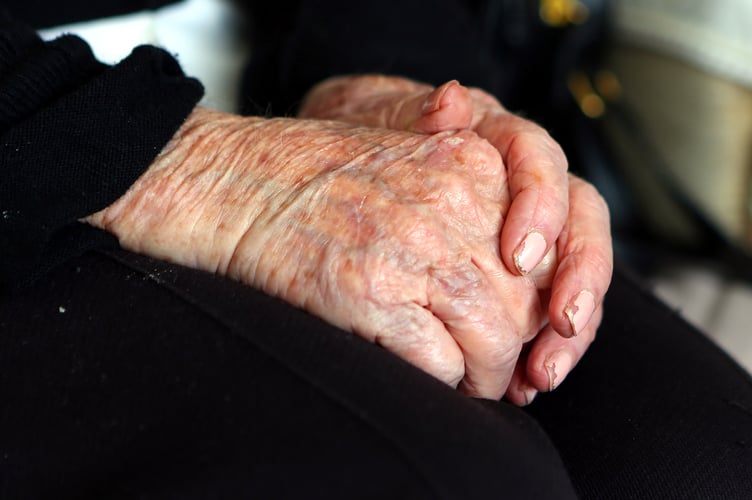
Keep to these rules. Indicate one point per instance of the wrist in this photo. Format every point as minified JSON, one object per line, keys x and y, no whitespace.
{"x":173,"y":210}
{"x":223,"y":179}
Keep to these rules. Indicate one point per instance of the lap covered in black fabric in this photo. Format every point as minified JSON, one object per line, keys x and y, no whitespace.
{"x":126,"y":377}
{"x":654,"y":409}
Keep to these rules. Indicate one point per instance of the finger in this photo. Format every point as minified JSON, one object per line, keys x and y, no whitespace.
{"x":585,"y":261}
{"x":552,"y":357}
{"x":426,"y":111}
{"x":474,"y":315}
{"x":363,"y":100}
{"x":520,"y":392}
{"x":448,"y":107}
{"x":414,"y":334}
{"x":537,"y":173}
{"x":391,"y":103}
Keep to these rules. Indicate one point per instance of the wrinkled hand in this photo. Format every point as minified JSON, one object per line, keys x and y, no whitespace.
{"x":388,"y":234}
{"x":551,"y":214}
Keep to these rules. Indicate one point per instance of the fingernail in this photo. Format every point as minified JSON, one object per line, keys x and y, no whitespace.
{"x":530,"y":252}
{"x":579,"y":310}
{"x":557,"y":367}
{"x":529,"y":393}
{"x":433,"y":101}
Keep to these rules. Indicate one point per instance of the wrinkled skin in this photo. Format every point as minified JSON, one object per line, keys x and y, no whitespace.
{"x":567,"y":213}
{"x":389,"y":234}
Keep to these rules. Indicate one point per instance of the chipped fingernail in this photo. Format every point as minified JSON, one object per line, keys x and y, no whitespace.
{"x":557,"y":367}
{"x":529,"y":393}
{"x":530,"y":252}
{"x":579,"y":310}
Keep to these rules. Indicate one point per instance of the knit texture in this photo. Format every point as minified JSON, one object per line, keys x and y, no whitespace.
{"x":74,"y":135}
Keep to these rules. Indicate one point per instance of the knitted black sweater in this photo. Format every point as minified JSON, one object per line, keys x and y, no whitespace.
{"x":74,"y":135}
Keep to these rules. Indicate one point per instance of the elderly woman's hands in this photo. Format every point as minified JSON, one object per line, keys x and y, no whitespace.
{"x":389,"y":234}
{"x":551,"y":212}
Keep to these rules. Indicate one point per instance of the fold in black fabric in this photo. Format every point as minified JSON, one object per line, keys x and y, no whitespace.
{"x":135,"y":378}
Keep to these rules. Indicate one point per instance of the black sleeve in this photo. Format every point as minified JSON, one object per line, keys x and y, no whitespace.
{"x":297,"y":43}
{"x":74,"y":135}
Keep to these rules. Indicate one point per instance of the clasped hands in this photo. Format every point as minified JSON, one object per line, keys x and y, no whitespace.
{"x":429,"y":221}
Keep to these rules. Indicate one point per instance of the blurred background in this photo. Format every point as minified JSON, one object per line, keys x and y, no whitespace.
{"x":652,"y":100}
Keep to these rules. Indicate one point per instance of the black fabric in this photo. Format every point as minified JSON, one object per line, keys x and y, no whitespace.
{"x":655,"y":409}
{"x":133,"y":378}
{"x":319,"y":39}
{"x":74,"y":135}
{"x":126,"y":377}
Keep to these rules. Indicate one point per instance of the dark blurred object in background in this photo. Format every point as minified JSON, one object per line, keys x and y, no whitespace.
{"x":652,"y":102}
